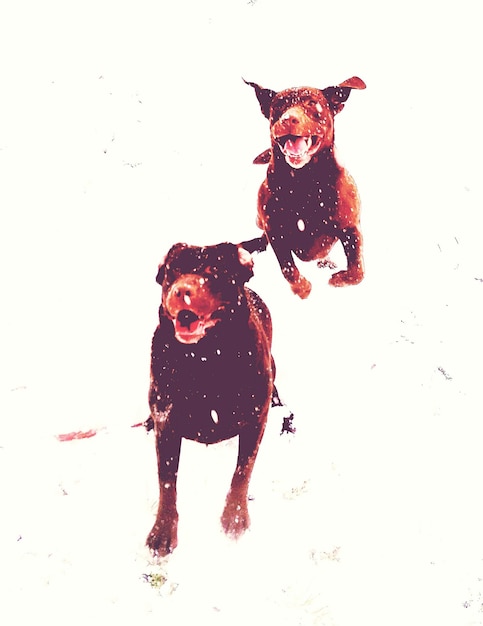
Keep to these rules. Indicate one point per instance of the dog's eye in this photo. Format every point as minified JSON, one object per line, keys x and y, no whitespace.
{"x":278,"y":108}
{"x":315,"y":104}
{"x":276,"y":113}
{"x":174,"y":270}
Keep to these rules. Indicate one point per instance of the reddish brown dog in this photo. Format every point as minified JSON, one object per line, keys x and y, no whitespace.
{"x":211,"y":373}
{"x":308,"y":201}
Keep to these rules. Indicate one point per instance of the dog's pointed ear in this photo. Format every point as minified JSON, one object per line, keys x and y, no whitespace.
{"x":336,"y":96}
{"x":264,"y":96}
{"x":162,"y":264}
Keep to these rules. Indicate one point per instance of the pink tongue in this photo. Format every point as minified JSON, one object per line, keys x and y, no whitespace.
{"x":297,"y":147}
{"x":183,"y":330}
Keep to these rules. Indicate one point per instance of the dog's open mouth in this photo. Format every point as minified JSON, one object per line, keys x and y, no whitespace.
{"x":190,"y":328}
{"x":298,"y":150}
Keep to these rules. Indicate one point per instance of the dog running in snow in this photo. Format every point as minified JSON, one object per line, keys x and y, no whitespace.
{"x":212,"y":373}
{"x":308,"y":201}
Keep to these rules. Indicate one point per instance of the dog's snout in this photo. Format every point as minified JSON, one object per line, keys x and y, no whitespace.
{"x":184,"y":295}
{"x":189,"y":291}
{"x":186,"y":288}
{"x":290,"y":118}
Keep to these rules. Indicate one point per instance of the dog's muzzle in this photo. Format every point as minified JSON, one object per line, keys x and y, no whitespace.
{"x":298,"y":150}
{"x":192,"y":308}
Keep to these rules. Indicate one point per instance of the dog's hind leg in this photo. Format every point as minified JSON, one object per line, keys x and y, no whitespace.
{"x":320,"y":252}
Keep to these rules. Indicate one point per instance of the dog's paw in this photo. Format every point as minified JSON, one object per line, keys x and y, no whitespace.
{"x":345,"y":278}
{"x":163,"y":538}
{"x":326,"y":264}
{"x":235,"y":520}
{"x":301,"y":287}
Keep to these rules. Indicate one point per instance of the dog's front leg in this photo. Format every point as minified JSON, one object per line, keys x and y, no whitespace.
{"x":163,"y":537}
{"x":298,"y":283}
{"x":235,"y":518}
{"x":351,"y":240}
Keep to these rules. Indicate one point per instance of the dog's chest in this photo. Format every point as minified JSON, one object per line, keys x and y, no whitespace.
{"x":216,"y":365}
{"x":214,"y":388}
{"x":217,"y":368}
{"x":303,"y":202}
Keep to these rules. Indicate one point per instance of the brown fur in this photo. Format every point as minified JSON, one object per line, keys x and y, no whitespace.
{"x":212,"y":374}
{"x":308,"y":201}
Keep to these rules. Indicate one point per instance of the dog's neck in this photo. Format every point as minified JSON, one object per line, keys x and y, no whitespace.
{"x":307,"y":195}
{"x":311,"y":188}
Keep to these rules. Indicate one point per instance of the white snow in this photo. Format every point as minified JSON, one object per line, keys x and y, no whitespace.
{"x":126,"y":128}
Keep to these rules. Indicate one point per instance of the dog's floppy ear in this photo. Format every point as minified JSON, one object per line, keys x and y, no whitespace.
{"x":161,"y":271}
{"x":263,"y":158}
{"x":336,"y":96}
{"x":265,"y":97}
{"x":163,"y":262}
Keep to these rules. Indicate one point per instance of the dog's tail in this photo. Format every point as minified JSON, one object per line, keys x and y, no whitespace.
{"x":259,"y":244}
{"x":287,"y":425}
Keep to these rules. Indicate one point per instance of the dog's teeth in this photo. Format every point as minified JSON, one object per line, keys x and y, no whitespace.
{"x":214,"y":416}
{"x":301,"y":225}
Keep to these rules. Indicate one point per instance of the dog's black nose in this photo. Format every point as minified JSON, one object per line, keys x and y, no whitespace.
{"x":186,"y":318}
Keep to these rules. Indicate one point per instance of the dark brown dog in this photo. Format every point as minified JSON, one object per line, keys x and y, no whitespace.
{"x":308,"y":201}
{"x":211,"y":373}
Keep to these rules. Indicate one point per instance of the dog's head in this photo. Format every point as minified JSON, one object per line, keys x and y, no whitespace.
{"x":202,"y":286}
{"x":302,"y":118}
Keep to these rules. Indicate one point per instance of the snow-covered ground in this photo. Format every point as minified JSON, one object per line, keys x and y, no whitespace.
{"x":126,"y":127}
